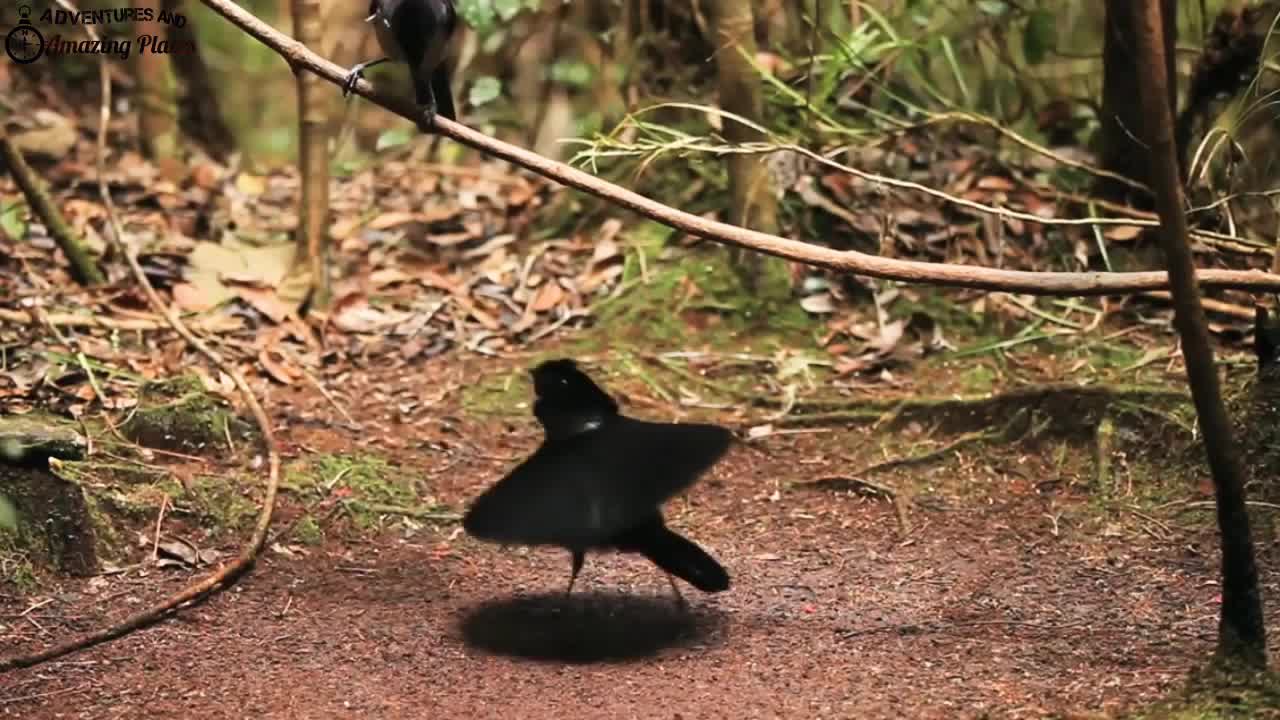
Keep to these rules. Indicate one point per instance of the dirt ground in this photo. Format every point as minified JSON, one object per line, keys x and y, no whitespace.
{"x":998,"y":603}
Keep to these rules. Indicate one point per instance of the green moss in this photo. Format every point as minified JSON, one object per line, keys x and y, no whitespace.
{"x":221,"y":499}
{"x":1214,"y":696}
{"x":368,"y":486}
{"x":695,"y":296}
{"x":979,"y":378}
{"x":506,"y":393}
{"x":177,"y":414}
{"x":307,"y":531}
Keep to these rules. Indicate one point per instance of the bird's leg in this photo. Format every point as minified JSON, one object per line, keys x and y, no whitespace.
{"x":427,"y":101}
{"x":578,"y":557}
{"x":680,"y":602}
{"x":349,"y":83}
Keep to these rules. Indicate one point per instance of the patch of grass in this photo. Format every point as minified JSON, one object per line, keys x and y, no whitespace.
{"x":221,"y":499}
{"x":368,"y":486}
{"x":684,"y":297}
{"x":507,"y":393}
{"x":307,"y":531}
{"x":1214,"y":696}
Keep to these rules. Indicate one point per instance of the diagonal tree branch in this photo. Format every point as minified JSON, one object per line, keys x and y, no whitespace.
{"x":300,"y":57}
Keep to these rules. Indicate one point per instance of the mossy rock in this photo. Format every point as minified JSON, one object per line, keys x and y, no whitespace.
{"x":178,"y":415}
{"x":30,"y":440}
{"x":46,"y":518}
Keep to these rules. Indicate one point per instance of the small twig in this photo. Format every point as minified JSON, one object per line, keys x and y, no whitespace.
{"x":155,"y":542}
{"x":73,"y":320}
{"x":939,"y":626}
{"x":35,"y":606}
{"x":1250,"y":503}
{"x":40,"y":696}
{"x":315,"y":382}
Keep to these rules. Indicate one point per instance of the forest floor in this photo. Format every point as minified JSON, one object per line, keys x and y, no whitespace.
{"x":1010,"y":595}
{"x":1010,"y":577}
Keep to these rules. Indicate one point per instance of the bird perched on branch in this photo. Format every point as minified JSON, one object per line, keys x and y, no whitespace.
{"x":416,"y":32}
{"x":598,"y":482}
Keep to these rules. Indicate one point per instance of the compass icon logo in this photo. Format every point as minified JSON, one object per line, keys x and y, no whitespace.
{"x":24,"y":43}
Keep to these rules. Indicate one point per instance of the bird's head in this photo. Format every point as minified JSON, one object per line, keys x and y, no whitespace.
{"x":568,"y":400}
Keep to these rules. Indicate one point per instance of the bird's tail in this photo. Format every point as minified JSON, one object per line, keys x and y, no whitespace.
{"x":684,"y":559}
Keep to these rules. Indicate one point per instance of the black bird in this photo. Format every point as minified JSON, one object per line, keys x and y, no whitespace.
{"x":416,"y":32}
{"x":598,"y":482}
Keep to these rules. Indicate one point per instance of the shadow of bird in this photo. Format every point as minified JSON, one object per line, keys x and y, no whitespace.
{"x":598,"y":482}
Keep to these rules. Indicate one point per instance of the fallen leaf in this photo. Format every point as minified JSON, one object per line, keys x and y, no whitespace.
{"x":265,"y":301}
{"x":1120,"y":233}
{"x":252,"y":185}
{"x":820,"y":303}
{"x":547,"y":297}
{"x":277,"y":369}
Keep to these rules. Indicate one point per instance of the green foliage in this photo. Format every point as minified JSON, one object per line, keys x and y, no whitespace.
{"x":485,"y":16}
{"x":13,"y":220}
{"x":1040,"y":36}
{"x":395,"y":137}
{"x":484,"y":90}
{"x":573,"y":73}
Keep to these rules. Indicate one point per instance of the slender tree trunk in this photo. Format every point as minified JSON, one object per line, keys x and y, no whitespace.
{"x":754,"y":204}
{"x":1122,"y":114}
{"x":158,"y":109}
{"x":1241,"y":632}
{"x":313,"y":158}
{"x":201,"y":117}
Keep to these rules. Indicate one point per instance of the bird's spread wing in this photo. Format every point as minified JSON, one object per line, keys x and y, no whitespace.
{"x":582,"y":490}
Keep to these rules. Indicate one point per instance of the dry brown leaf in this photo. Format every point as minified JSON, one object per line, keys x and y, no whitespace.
{"x":519,"y":193}
{"x":995,"y":182}
{"x":189,"y":298}
{"x":547,"y":297}
{"x":1121,"y":233}
{"x":388,"y":276}
{"x":277,"y":368}
{"x":266,"y":301}
{"x":388,"y":220}
{"x":820,"y":303}
{"x":206,"y":175}
{"x":252,"y":185}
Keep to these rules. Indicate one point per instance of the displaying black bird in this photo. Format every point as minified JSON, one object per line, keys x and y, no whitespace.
{"x":416,"y":32}
{"x":598,"y":482}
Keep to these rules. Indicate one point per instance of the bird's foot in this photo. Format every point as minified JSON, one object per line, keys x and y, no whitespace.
{"x":353,"y":77}
{"x":357,"y":72}
{"x":427,"y":120}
